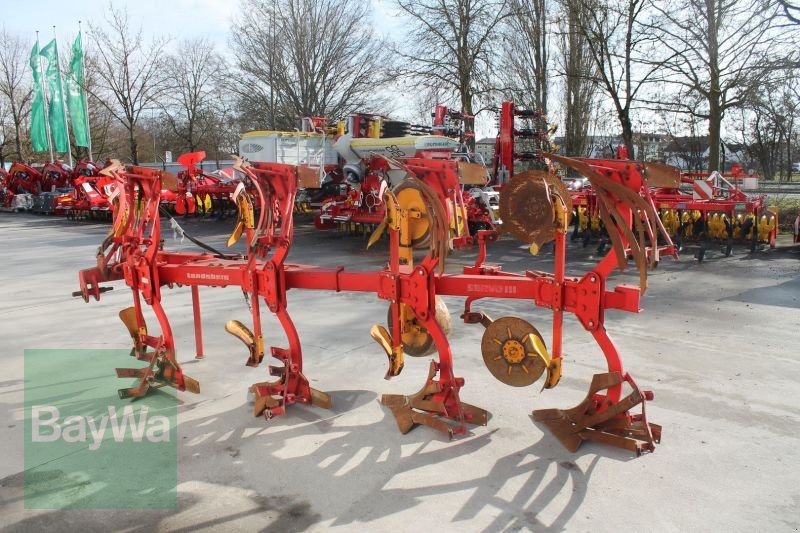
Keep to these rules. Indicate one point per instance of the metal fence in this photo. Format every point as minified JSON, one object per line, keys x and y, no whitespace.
{"x":174,"y":168}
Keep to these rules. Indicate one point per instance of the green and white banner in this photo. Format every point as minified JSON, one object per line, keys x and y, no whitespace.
{"x":55,"y":112}
{"x":76,"y":96}
{"x":38,"y":116}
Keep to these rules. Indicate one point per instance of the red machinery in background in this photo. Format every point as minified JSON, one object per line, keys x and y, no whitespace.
{"x":522,"y":135}
{"x":55,"y":188}
{"x":198,"y":190}
{"x":3,"y":190}
{"x":357,"y":203}
{"x":719,"y":209}
{"x":35,"y":179}
{"x":89,"y":196}
{"x":716,"y":209}
{"x":194,"y":191}
{"x":535,"y":208}
{"x":451,"y":123}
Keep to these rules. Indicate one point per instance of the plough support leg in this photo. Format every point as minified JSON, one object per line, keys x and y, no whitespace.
{"x":437,"y":400}
{"x":599,"y":419}
{"x":271,"y":398}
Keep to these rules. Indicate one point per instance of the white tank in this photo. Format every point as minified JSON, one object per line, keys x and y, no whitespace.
{"x":353,"y":150}
{"x":288,"y":147}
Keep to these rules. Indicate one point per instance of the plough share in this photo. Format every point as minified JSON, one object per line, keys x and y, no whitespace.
{"x":536,"y":208}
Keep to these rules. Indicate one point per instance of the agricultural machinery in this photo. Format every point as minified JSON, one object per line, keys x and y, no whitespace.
{"x":349,"y":158}
{"x":3,"y":181}
{"x":716,"y":209}
{"x":57,"y":189}
{"x":198,"y":191}
{"x":35,"y":179}
{"x":89,"y":197}
{"x":535,"y":208}
{"x":356,"y":202}
{"x":522,"y":134}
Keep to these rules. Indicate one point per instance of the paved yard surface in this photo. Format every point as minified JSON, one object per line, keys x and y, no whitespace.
{"x":717,"y":342}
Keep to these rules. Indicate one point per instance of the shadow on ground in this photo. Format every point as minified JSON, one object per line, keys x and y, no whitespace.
{"x":359,"y":473}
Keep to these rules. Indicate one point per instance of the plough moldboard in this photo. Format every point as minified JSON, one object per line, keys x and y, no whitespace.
{"x":536,"y":209}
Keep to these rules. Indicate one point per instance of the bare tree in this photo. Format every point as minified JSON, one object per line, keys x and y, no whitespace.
{"x":452,"y":47}
{"x":224,"y":128}
{"x":130,"y":72}
{"x":194,"y":75}
{"x":299,"y":58}
{"x":423,"y":104}
{"x":580,"y":86}
{"x":109,"y":138}
{"x":725,"y":51}
{"x":763,"y":138}
{"x":770,"y":128}
{"x":791,"y":10}
{"x":6,"y":140}
{"x":616,"y":39}
{"x":526,"y":53}
{"x":15,"y":87}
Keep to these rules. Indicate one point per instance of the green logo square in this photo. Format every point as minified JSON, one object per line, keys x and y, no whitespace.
{"x":87,"y":448}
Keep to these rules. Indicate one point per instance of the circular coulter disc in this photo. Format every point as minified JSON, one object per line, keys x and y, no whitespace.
{"x":410,"y":197}
{"x":509,"y":354}
{"x":417,"y":341}
{"x":527,"y":209}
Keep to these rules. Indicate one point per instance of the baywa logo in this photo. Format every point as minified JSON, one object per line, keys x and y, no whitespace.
{"x":87,"y":448}
{"x":74,"y":428}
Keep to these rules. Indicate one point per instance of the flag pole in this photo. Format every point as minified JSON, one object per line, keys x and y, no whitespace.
{"x":63,"y":100}
{"x":85,"y":94}
{"x":46,"y":100}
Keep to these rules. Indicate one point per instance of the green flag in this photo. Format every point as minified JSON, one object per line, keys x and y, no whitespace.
{"x":76,"y":97}
{"x":38,"y":125}
{"x":55,"y":112}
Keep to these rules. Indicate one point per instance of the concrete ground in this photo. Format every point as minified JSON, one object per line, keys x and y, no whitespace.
{"x":717,"y":342}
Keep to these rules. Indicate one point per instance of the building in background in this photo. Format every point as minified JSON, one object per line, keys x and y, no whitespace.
{"x":485,"y":149}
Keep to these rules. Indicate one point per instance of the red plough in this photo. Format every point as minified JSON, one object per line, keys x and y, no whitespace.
{"x":535,"y":209}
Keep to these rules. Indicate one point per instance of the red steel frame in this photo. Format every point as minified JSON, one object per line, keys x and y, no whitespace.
{"x":133,"y":252}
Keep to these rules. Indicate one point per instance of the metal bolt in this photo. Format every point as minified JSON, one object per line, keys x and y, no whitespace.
{"x":591,"y":323}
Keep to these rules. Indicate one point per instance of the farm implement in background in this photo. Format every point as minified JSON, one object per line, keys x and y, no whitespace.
{"x":89,"y":197}
{"x":536,"y":209}
{"x":199,"y":192}
{"x":57,"y":189}
{"x":348,"y":157}
{"x":698,"y":207}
